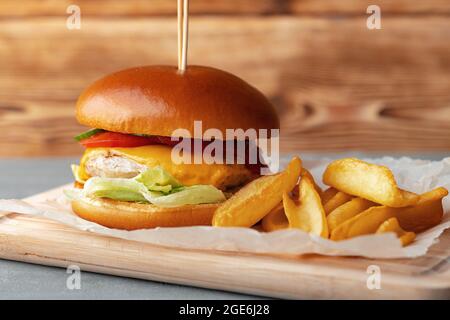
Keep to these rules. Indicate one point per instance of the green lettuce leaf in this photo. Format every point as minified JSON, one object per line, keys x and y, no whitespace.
{"x":155,"y":186}
{"x":190,"y":195}
{"x":116,"y":188}
{"x":157,"y":179}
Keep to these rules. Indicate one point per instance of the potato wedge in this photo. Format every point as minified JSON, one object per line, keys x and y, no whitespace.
{"x":346,"y":211}
{"x":368,"y":181}
{"x":256,"y":199}
{"x":275,"y":219}
{"x":338,"y":200}
{"x":306,"y":173}
{"x":425,"y":214}
{"x":392,"y":225}
{"x":328,"y":194}
{"x":365,"y":222}
{"x":308,"y":215}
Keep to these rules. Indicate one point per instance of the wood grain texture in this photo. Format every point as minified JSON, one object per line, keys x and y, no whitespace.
{"x":337,"y":85}
{"x":41,"y":241}
{"x":104,"y":8}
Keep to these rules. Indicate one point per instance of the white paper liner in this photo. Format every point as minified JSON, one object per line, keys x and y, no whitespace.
{"x":415,"y":175}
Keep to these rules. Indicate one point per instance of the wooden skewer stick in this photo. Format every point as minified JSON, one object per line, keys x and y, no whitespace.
{"x":185,"y":34}
{"x":180,"y":32}
{"x":183,"y":31}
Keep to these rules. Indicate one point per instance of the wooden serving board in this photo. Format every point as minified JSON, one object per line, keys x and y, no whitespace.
{"x":41,"y":241}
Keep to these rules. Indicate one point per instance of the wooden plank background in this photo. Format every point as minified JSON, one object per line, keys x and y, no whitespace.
{"x":337,"y":85}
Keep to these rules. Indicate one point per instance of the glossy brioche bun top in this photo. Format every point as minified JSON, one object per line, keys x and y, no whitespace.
{"x":156,"y":100}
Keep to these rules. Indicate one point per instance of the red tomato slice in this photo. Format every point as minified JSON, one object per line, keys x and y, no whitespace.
{"x":118,"y":140}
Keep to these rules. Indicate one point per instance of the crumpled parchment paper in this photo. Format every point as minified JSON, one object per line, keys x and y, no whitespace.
{"x":414,"y":175}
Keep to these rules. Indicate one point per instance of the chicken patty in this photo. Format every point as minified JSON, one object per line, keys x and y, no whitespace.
{"x":128,"y":163}
{"x":111,"y":166}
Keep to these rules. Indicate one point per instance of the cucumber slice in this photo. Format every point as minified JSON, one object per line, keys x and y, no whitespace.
{"x":87,"y":134}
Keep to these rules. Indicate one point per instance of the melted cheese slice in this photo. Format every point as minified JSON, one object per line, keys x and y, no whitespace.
{"x":221,"y":176}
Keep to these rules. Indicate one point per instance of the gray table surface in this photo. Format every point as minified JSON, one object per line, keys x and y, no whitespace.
{"x":20,"y":178}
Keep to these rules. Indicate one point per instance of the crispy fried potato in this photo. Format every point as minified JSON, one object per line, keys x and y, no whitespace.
{"x":365,"y":222}
{"x":255,"y":200}
{"x":338,"y":200}
{"x":275,"y":219}
{"x":346,"y":211}
{"x":308,"y":215}
{"x":306,"y":173}
{"x":369,"y":181}
{"x":426,"y":214}
{"x":392,"y":225}
{"x":328,"y":194}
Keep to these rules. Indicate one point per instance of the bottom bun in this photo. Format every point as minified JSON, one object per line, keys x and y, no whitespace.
{"x":132,"y":216}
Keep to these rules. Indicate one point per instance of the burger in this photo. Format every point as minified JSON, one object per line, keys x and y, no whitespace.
{"x":127,"y":177}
